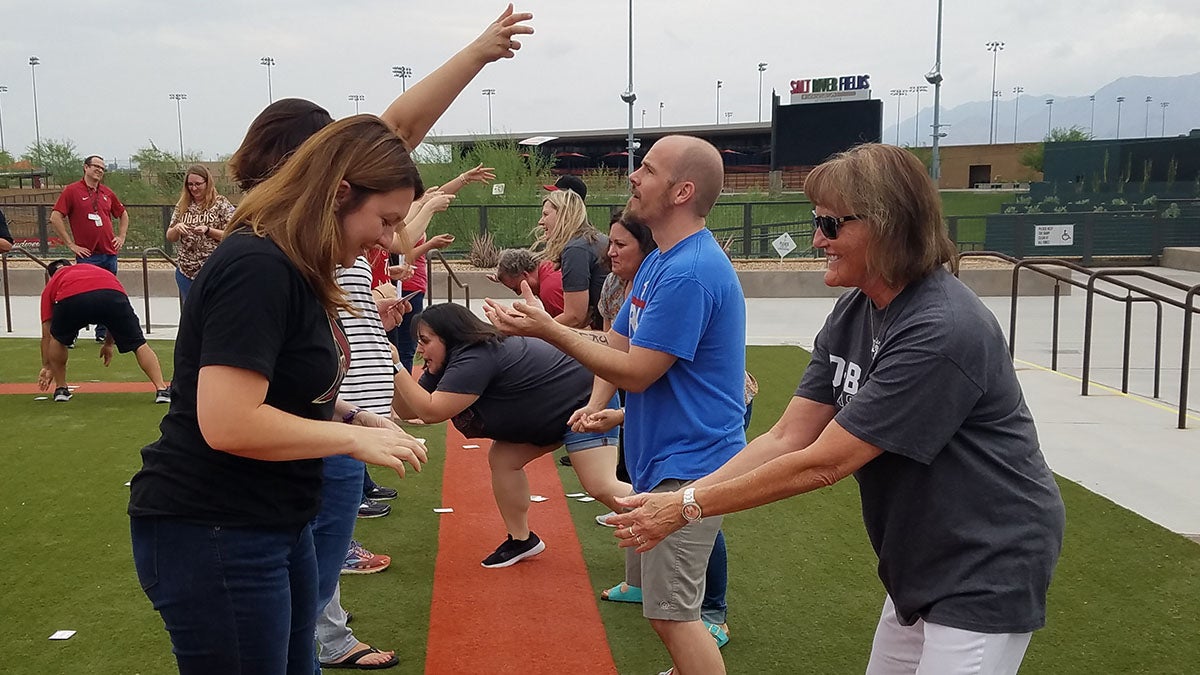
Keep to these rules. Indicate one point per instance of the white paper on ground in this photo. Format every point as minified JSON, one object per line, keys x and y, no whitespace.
{"x":128,"y":483}
{"x":586,"y":499}
{"x":444,"y":510}
{"x":421,"y":440}
{"x":40,"y":398}
{"x":470,"y":446}
{"x":62,"y":635}
{"x":573,"y":495}
{"x":538,"y":498}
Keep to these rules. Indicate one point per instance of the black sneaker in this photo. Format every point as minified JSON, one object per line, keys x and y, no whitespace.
{"x":62,"y":395}
{"x":565,"y":460}
{"x":372,"y":509}
{"x":381,"y":492}
{"x":162,"y":396}
{"x":513,"y":551}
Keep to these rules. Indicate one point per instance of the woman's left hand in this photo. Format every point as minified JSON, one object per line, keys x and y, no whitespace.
{"x":654,"y":517}
{"x":479,"y":174}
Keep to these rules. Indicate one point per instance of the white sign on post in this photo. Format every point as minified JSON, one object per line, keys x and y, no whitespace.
{"x":784,"y":244}
{"x":498,"y":189}
{"x":1053,"y":235}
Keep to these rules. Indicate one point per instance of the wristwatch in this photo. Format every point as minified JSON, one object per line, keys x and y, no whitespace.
{"x":691,"y":510}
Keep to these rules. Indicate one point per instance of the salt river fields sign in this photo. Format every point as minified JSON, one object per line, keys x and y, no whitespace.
{"x":830,"y":89}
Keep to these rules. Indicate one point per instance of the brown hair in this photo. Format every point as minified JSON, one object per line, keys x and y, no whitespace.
{"x":185,"y":195}
{"x":272,"y":137}
{"x":297,"y":207}
{"x":890,"y":190}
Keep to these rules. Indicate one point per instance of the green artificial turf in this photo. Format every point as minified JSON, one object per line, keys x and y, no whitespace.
{"x":20,"y":361}
{"x":803,"y":593}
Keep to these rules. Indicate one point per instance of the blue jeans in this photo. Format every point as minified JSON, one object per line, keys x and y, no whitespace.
{"x":184,"y":284}
{"x":234,"y":599}
{"x":716,"y":581}
{"x":401,"y":335}
{"x":341,"y":494}
{"x":109,"y":262}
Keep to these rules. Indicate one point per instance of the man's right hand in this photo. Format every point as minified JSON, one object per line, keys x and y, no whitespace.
{"x":525,"y":317}
{"x":79,"y":251}
{"x":45,"y":377}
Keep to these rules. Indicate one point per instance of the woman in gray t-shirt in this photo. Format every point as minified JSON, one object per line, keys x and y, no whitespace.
{"x":520,"y":393}
{"x":911,"y":390}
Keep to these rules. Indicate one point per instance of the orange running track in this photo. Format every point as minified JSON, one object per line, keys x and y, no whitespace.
{"x":537,"y":616}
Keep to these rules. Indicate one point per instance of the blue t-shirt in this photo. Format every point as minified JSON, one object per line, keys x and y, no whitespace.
{"x":686,"y":302}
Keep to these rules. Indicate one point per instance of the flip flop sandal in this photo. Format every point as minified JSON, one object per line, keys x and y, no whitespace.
{"x":630,"y":594}
{"x":719,"y":634}
{"x":351,"y":661}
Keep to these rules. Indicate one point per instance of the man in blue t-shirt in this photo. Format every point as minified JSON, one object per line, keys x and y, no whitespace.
{"x":678,"y":348}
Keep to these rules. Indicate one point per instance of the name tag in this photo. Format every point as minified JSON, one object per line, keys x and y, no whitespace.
{"x":96,"y":217}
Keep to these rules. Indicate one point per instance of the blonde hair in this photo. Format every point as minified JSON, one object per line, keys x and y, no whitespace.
{"x":572,"y":223}
{"x":298,"y":208}
{"x":185,"y":195}
{"x":889,"y":189}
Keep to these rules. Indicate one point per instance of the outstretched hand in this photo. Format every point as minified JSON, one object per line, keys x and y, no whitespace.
{"x":654,"y":516}
{"x":498,"y":40}
{"x":106,"y":353}
{"x":45,"y":377}
{"x":479,"y":174}
{"x":525,"y":317}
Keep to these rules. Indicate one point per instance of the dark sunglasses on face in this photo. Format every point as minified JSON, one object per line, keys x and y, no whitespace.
{"x":829,"y":225}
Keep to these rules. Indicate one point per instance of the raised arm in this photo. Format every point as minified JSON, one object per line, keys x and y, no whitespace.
{"x":415,"y":111}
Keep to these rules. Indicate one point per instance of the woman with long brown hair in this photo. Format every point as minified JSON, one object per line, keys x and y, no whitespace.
{"x":197,"y":225}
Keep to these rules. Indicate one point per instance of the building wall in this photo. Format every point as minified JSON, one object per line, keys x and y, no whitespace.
{"x":1004,"y":160}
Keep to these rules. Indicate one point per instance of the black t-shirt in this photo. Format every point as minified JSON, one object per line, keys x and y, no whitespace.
{"x":961,"y":507}
{"x":249,"y":308}
{"x":582,"y":265}
{"x":527,"y":389}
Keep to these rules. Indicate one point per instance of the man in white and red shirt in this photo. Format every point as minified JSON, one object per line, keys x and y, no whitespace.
{"x":90,"y":207}
{"x":78,"y":295}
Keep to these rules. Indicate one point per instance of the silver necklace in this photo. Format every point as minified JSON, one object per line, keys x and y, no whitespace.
{"x":875,"y":332}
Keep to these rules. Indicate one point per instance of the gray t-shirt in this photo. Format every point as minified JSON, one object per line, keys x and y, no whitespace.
{"x":583,"y":269}
{"x":527,"y":389}
{"x":961,"y":507}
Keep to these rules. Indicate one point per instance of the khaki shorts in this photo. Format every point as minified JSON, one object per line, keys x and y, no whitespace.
{"x":671,"y":575}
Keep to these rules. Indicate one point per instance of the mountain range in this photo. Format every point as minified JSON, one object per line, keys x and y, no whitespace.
{"x":968,"y":122}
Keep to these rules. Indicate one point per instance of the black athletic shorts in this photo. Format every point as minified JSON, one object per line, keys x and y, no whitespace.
{"x":106,"y":307}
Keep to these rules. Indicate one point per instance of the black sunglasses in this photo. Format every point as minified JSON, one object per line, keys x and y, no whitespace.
{"x":829,"y":225}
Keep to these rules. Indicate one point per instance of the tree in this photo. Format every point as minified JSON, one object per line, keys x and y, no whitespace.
{"x":1035,"y":156}
{"x":58,"y":157}
{"x":155,"y":160}
{"x":6,"y":159}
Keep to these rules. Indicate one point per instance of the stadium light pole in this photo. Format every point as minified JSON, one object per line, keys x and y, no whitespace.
{"x":917,"y":89}
{"x":357,"y":98}
{"x":1120,"y":100}
{"x":629,"y":98}
{"x":762,"y":68}
{"x":935,"y":78}
{"x":995,"y":48}
{"x":1049,"y":117}
{"x":3,"y":89}
{"x":1162,"y":105}
{"x":1146,"y":133}
{"x":1017,"y":91}
{"x":269,"y":62}
{"x":179,"y":99}
{"x":34,"y":62}
{"x":402,"y":72}
{"x":898,"y":93}
{"x":660,"y":112}
{"x":728,"y":117}
{"x":996,"y":93}
{"x":718,"y":101}
{"x":1092,"y":123}
{"x":643,"y":118}
{"x":489,"y":93}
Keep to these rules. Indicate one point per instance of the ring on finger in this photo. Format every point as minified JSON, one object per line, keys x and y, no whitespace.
{"x":631,"y":532}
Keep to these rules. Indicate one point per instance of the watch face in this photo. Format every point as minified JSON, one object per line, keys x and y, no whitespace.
{"x":691,"y":512}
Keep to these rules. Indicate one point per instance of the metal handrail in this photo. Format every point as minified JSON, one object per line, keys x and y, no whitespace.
{"x":146,"y":277}
{"x":4,"y":264}
{"x":1186,"y":362}
{"x":451,"y":278}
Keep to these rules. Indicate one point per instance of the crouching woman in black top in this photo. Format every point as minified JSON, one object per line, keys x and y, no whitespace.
{"x":220,"y":510}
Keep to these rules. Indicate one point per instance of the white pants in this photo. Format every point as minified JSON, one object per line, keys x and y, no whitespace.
{"x":930,"y":649}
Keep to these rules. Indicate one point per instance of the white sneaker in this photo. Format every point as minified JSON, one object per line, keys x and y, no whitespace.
{"x":603,"y":519}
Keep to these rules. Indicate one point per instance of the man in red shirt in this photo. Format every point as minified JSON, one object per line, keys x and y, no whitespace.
{"x":90,"y":207}
{"x":78,"y":295}
{"x":517,"y":264}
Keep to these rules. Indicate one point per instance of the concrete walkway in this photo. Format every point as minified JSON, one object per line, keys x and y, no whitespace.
{"x":1124,"y":447}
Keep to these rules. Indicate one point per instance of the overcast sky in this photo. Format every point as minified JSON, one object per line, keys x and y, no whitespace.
{"x":107,"y":66}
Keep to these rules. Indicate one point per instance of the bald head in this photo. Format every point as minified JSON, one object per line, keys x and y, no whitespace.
{"x":694,"y":160}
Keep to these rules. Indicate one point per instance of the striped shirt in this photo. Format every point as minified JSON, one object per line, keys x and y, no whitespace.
{"x":369,"y":384}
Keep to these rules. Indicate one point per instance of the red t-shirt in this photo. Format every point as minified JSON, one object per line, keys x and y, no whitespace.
{"x":419,"y":281}
{"x":73,"y":280}
{"x":90,"y":214}
{"x":550,"y":290}
{"x":379,"y":267}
